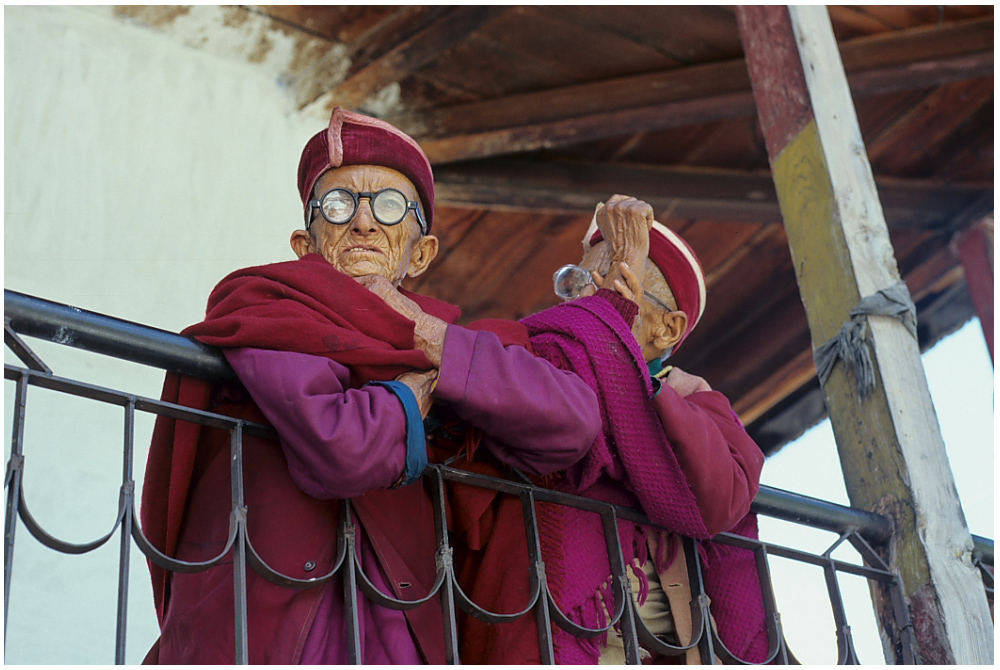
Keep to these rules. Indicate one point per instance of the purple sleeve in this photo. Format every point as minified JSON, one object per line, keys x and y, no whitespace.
{"x":339,"y":442}
{"x":537,"y":417}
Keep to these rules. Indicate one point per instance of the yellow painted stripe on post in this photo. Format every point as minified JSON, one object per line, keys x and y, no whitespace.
{"x":808,"y":206}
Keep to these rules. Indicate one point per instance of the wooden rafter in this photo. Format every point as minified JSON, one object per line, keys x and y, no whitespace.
{"x":684,"y":193}
{"x":916,"y":58}
{"x":393,"y":62}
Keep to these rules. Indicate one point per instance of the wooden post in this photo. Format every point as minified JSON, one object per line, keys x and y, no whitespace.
{"x":975,"y":248}
{"x":889,"y":441}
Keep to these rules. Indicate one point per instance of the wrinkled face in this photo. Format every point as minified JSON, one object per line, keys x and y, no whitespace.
{"x":363,"y":246}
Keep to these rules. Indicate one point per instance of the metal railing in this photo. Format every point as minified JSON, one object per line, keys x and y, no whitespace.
{"x":25,"y":315}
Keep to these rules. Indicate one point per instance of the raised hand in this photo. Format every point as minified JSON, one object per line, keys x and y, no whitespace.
{"x":625,"y":223}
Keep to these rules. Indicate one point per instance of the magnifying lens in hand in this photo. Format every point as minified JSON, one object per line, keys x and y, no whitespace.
{"x":570,"y":280}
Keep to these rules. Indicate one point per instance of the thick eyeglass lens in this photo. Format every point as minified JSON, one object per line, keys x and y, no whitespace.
{"x":570,"y":280}
{"x":338,"y":206}
{"x":389,"y":206}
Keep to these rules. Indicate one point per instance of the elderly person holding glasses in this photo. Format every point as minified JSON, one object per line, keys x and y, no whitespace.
{"x":669,"y":446}
{"x":345,"y":365}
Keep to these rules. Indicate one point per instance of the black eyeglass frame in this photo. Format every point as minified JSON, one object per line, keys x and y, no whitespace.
{"x":356,"y":197}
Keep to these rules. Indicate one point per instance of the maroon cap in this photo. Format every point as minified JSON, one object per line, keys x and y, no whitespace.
{"x":680,"y":267}
{"x":356,"y":139}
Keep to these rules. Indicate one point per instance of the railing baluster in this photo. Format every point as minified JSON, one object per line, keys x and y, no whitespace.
{"x":845,"y":643}
{"x":240,"y":548}
{"x":706,"y":642}
{"x":15,"y":468}
{"x":547,"y":654}
{"x":444,"y":562}
{"x":350,"y":579}
{"x":619,"y":574}
{"x":773,"y":618}
{"x":125,"y":503}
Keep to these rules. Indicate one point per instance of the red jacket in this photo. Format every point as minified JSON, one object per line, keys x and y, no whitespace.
{"x":399,"y":523}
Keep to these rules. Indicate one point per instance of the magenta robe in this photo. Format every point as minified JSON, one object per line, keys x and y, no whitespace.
{"x":339,"y":442}
{"x":686,"y":462}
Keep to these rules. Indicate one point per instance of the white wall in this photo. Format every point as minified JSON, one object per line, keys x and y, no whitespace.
{"x":138,"y":172}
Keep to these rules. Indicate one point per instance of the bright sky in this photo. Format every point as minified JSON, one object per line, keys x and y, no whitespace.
{"x":960,"y":376}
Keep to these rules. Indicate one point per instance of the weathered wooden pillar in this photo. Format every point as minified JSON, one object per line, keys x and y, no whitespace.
{"x":975,"y":248}
{"x":890,"y":444}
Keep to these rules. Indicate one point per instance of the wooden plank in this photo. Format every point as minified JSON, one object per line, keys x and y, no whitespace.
{"x":403,"y":24}
{"x":851,"y":22}
{"x":890,"y":444}
{"x":762,"y":266}
{"x":970,"y":153}
{"x":927,"y":44}
{"x":670,"y":98}
{"x":685,"y":33}
{"x":704,"y":145}
{"x":508,"y":71}
{"x":775,"y":383}
{"x":531,"y":290}
{"x":338,"y":23}
{"x":763,"y":361}
{"x":450,"y":227}
{"x":412,"y":53}
{"x":898,"y":149}
{"x":686,"y":193}
{"x":483,"y":262}
{"x":877,"y":114}
{"x":734,"y":144}
{"x":523,"y":285}
{"x":715,"y":242}
{"x":575,"y":49}
{"x":923,"y":74}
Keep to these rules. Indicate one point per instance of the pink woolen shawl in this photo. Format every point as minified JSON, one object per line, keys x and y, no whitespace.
{"x":631,"y":464}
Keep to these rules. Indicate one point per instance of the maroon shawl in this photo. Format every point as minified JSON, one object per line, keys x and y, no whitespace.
{"x":303,"y":306}
{"x":631,"y":464}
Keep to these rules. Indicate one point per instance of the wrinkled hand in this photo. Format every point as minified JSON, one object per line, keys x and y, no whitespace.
{"x":685,"y":383}
{"x":628,"y":285}
{"x":428,"y":330}
{"x":421,"y":383}
{"x":625,"y":223}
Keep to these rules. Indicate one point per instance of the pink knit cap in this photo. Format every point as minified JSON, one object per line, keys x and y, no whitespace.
{"x":356,"y":139}
{"x":680,"y":267}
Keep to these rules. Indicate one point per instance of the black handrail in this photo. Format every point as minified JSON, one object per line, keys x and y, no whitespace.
{"x":118,"y":338}
{"x":137,"y":343}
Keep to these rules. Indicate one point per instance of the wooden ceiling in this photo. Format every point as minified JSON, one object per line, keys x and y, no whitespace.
{"x":531,"y":115}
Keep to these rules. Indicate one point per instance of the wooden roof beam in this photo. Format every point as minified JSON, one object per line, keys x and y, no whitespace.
{"x":679,"y":193}
{"x":916,"y":58}
{"x":383,"y":64}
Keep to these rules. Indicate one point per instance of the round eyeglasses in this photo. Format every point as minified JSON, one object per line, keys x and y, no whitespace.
{"x":570,"y":280}
{"x":389,"y":207}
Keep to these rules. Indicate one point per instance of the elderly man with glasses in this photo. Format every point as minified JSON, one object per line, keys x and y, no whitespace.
{"x":344,"y":364}
{"x":669,"y":446}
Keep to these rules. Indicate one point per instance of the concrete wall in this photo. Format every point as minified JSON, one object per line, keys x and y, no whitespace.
{"x":138,"y":172}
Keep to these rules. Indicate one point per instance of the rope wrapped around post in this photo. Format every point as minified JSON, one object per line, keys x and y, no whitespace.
{"x":852,"y":343}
